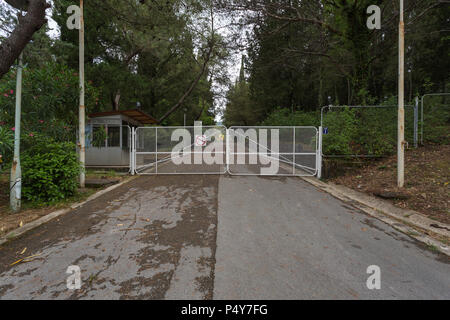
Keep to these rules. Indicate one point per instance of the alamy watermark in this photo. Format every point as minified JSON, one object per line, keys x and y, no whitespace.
{"x":252,"y":146}
{"x":374,"y":21}
{"x":374,"y":281}
{"x":73,"y":22}
{"x":73,"y":281}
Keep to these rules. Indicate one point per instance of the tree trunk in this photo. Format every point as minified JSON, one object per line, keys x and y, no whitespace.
{"x":117,"y":100}
{"x":11,"y":47}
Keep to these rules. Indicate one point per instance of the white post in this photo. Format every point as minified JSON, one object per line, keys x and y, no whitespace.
{"x":82,"y":109}
{"x":227,"y":150}
{"x":416,"y":123}
{"x":16,"y":171}
{"x":133,"y":152}
{"x":401,"y":103}
{"x":319,"y":154}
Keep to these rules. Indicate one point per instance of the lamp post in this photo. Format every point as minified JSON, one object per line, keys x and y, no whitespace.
{"x":401,"y":103}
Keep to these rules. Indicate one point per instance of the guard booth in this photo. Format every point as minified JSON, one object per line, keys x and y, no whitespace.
{"x":116,"y":150}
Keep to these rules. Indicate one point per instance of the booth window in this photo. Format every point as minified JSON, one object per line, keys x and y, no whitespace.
{"x":113,"y":136}
{"x":124,"y":137}
{"x":98,"y":137}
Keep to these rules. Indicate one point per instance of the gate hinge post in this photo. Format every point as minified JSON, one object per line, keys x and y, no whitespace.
{"x":319,"y":154}
{"x":133,"y":151}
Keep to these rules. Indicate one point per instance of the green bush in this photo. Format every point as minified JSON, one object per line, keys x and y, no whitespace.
{"x":6,"y":144}
{"x":49,"y":171}
{"x":343,"y":132}
{"x":352,"y":131}
{"x":436,"y":122}
{"x":284,"y":117}
{"x":369,"y":131}
{"x":49,"y":99}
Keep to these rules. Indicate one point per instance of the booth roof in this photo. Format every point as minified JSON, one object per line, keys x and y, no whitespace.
{"x":137,"y":115}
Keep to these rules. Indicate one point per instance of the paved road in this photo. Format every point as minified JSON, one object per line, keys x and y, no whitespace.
{"x":280,"y":238}
{"x":203,"y":237}
{"x":153,"y":238}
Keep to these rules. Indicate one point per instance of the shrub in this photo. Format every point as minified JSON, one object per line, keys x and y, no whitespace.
{"x":49,"y":97}
{"x":436,"y":122}
{"x":342,"y":126}
{"x":6,"y":144}
{"x":49,"y":171}
{"x":284,"y":117}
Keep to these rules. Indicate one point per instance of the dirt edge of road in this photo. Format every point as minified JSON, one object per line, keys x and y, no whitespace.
{"x":11,"y":235}
{"x":436,"y":236}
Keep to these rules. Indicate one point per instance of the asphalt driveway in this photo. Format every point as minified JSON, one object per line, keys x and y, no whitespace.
{"x":152,"y":238}
{"x":281,"y":238}
{"x":203,"y":237}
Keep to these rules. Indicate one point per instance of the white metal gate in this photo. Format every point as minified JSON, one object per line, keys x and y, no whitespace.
{"x":180,"y":150}
{"x":262,"y":151}
{"x":273,"y":151}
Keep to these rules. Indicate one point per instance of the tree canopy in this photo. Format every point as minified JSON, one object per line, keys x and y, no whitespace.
{"x":303,"y":55}
{"x":172,"y":57}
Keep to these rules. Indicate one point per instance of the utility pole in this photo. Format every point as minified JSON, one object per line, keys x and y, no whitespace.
{"x":401,"y":103}
{"x":16,"y":171}
{"x":82,"y":109}
{"x":15,"y":182}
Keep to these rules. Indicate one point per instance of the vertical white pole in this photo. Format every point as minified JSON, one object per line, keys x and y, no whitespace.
{"x":82,"y":109}
{"x":401,"y":103}
{"x":16,"y":171}
{"x":133,"y":152}
{"x":227,"y":156}
{"x":293,"y":153}
{"x":421,"y":121}
{"x":416,"y":123}
{"x":319,"y":154}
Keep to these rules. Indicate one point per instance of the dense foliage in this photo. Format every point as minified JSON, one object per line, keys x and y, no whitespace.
{"x":50,"y":171}
{"x":303,"y":55}
{"x":50,"y":94}
{"x":6,"y":145}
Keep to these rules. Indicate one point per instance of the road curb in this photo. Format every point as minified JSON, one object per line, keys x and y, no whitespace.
{"x":36,"y":223}
{"x":410,"y":222}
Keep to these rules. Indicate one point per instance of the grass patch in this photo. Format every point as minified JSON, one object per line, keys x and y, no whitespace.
{"x":433,"y":248}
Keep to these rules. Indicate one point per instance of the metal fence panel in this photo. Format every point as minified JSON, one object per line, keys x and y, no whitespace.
{"x":432,"y":111}
{"x":272,"y":151}
{"x":180,"y":150}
